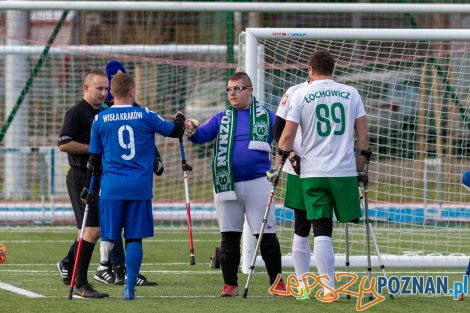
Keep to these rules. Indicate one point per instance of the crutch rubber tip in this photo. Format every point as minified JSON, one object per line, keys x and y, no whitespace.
{"x":192,"y":260}
{"x":245,"y":293}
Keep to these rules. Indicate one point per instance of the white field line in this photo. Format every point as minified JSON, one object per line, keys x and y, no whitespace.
{"x":20,"y":291}
{"x":49,"y":272}
{"x":257,"y":296}
{"x":144,"y":241}
{"x":211,"y":272}
{"x":68,"y":229}
{"x":92,"y":264}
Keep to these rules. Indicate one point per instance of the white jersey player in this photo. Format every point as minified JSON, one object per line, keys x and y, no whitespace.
{"x":330,"y":115}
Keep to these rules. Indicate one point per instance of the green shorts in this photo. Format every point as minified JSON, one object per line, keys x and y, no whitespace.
{"x":324,"y":194}
{"x":294,"y":194}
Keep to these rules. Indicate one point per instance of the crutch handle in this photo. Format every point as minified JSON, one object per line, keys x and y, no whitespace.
{"x":186,"y":166}
{"x":365,"y":153}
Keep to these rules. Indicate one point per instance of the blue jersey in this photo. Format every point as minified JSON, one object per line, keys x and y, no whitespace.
{"x":125,"y":136}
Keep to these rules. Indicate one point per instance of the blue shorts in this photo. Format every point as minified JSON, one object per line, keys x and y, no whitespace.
{"x":134,"y":215}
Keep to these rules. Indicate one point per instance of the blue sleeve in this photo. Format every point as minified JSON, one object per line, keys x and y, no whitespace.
{"x":160,"y":126}
{"x":271,"y":131}
{"x":208,"y":131}
{"x":96,"y":146}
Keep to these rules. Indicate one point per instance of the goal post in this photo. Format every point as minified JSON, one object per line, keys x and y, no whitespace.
{"x":414,"y":84}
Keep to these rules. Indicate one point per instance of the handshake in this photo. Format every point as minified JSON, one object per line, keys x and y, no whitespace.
{"x":190,"y":126}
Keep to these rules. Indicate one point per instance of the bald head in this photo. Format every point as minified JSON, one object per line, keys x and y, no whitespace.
{"x":95,"y":87}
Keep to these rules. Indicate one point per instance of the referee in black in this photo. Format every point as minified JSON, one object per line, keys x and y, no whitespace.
{"x":74,"y":139}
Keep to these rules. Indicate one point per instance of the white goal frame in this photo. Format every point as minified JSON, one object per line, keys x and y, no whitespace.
{"x":252,"y":35}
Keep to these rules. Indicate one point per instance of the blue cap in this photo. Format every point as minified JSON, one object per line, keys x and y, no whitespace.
{"x":112,"y":68}
{"x":466,"y":179}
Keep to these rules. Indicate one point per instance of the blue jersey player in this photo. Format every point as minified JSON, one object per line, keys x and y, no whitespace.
{"x":122,"y":148}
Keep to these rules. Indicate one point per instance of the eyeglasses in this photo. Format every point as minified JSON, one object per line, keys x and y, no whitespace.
{"x":236,"y":89}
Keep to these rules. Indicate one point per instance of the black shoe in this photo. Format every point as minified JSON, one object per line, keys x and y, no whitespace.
{"x":142,"y":281}
{"x":65,"y":273}
{"x":120,"y":274}
{"x":87,"y":291}
{"x":105,"y":276}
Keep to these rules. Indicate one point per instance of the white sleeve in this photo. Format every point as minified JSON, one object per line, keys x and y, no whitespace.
{"x":282,"y":109}
{"x":294,"y":108}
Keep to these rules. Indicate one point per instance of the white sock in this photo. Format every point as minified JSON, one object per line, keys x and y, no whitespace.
{"x":105,"y":249}
{"x":301,"y":256}
{"x":325,"y":259}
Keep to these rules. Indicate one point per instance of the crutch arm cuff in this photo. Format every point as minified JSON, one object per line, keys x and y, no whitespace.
{"x":284,"y":154}
{"x":364,"y":152}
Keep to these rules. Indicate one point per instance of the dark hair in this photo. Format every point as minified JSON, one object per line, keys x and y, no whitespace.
{"x":322,"y":62}
{"x":243,"y":76}
{"x":121,"y":85}
{"x":90,"y":74}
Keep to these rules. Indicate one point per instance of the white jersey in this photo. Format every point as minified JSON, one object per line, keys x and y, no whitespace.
{"x":282,"y":111}
{"x":326,"y":111}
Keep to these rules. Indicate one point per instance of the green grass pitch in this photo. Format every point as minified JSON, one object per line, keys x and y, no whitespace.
{"x":33,"y":254}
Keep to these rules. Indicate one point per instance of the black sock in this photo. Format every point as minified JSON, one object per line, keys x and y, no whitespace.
{"x":271,"y":254}
{"x":84,"y":262}
{"x":230,"y":257}
{"x":69,"y":259}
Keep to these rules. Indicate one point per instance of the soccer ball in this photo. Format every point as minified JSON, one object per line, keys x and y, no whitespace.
{"x":3,"y":253}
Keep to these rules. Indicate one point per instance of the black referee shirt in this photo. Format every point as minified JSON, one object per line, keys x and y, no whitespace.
{"x":77,"y":127}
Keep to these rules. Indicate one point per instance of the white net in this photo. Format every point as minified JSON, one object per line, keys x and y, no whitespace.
{"x":416,"y":97}
{"x":33,"y":179}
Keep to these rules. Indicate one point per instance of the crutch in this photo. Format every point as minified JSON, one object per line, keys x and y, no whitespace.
{"x":82,"y":231}
{"x":346,"y":230}
{"x":263,"y":225}
{"x":369,"y":230}
{"x":374,"y":239}
{"x":365,"y":181}
{"x":186,"y":167}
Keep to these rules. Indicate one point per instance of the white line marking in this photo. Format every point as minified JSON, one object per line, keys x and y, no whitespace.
{"x":145,"y":241}
{"x":93,"y":264}
{"x":20,"y":291}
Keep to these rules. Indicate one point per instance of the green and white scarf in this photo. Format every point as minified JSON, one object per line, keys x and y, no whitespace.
{"x":222,"y":171}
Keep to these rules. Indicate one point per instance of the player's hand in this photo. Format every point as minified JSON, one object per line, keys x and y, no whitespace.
{"x":84,"y":194}
{"x":190,"y":126}
{"x":362,"y":177}
{"x":179,"y":116}
{"x":273,"y":176}
{"x":295,"y":161}
{"x":158,"y":166}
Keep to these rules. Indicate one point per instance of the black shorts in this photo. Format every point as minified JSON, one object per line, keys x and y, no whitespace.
{"x":76,"y":180}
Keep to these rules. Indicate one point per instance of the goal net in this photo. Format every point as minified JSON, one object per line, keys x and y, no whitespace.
{"x":415,"y":86}
{"x":187,"y":77}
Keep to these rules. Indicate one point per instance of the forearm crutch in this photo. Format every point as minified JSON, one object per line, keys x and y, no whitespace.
{"x":369,"y":230}
{"x":82,"y":232}
{"x":186,"y":167}
{"x":263,"y":226}
{"x":346,"y":230}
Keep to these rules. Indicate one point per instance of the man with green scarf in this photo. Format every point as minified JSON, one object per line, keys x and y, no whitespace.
{"x":243,"y":134}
